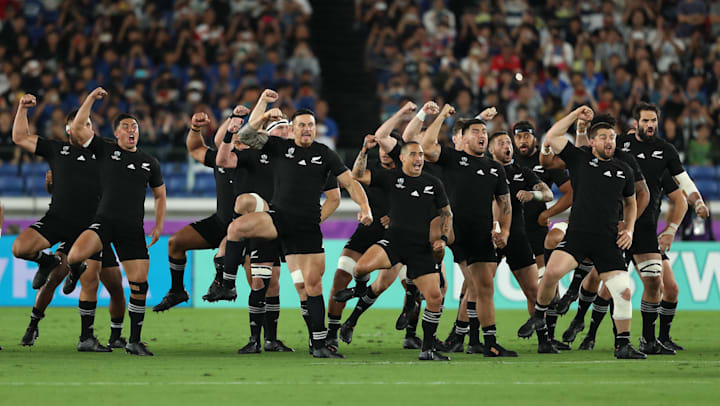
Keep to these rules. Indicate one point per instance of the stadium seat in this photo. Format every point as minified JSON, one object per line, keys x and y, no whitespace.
{"x":708,"y":188}
{"x":35,"y":185}
{"x":11,"y":185}
{"x":8,"y":170}
{"x":35,"y":168}
{"x":176,"y":184}
{"x":204,"y":184}
{"x":701,"y":172}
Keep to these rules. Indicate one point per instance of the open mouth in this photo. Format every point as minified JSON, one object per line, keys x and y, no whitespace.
{"x":131,"y":139}
{"x":417,"y":166}
{"x":508,"y":153}
{"x":650,"y":131}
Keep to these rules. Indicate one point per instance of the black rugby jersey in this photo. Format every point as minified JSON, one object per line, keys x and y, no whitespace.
{"x":533,"y":208}
{"x":224,"y":187}
{"x":519,"y":179}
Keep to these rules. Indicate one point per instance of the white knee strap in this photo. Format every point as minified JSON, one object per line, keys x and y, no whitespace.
{"x":297,"y":277}
{"x":617,"y":285}
{"x":650,"y":268}
{"x":562,"y":226}
{"x":261,"y":271}
{"x":346,"y":264}
{"x":402,"y":275}
{"x":259,"y":202}
{"x":541,"y":272}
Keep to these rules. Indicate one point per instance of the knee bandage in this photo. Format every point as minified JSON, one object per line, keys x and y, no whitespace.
{"x":650,"y":268}
{"x":261,"y":271}
{"x":259,"y":202}
{"x":138,"y":288}
{"x":562,"y":226}
{"x":541,"y":272}
{"x":347,"y":264}
{"x":617,"y":285}
{"x":297,"y":277}
{"x":403,"y":273}
{"x":586,"y":266}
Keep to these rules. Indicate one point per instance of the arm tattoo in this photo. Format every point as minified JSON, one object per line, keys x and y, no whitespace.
{"x":504,"y":203}
{"x":360,"y":164}
{"x":252,"y":137}
{"x":447,"y":216}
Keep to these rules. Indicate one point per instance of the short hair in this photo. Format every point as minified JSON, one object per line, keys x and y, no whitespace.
{"x":524,"y":126}
{"x":301,"y":112}
{"x":459,"y":123}
{"x":642,"y":106}
{"x":600,"y":122}
{"x":406,"y":145}
{"x":471,"y":122}
{"x":122,"y":116}
{"x":497,"y":134}
{"x":71,"y":116}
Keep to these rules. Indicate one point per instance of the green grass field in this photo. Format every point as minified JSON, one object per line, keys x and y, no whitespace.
{"x":196,"y":363}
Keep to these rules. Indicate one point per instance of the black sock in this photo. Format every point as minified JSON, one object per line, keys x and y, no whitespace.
{"x":316,"y":308}
{"x":116,"y":325}
{"x":585,"y":299}
{"x":361,"y":283}
{"x":35,"y":316}
{"x":256,"y":310}
{"x":622,"y":339}
{"x":540,"y":310}
{"x":177,"y":272}
{"x":87,"y":318}
{"x":272,"y":314}
{"x":474,"y":323}
{"x":363,"y":304}
{"x":333,"y":325}
{"x":551,"y":321}
{"x":136,"y":308}
{"x":76,"y":270}
{"x":43,"y":258}
{"x":430,"y":321}
{"x":411,"y":330}
{"x":649,"y":312}
{"x":578,"y":276}
{"x":542,"y":332}
{"x":461,"y":328}
{"x":306,"y":316}
{"x":219,"y":268}
{"x":234,"y":258}
{"x":667,"y":313}
{"x":600,"y":309}
{"x":410,"y":294}
{"x":489,"y":335}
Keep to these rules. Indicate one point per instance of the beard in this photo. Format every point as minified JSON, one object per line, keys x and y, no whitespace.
{"x":642,"y":133}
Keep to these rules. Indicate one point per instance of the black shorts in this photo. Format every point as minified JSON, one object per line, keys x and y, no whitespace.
{"x":211,"y":229}
{"x":297,"y":235}
{"x":536,"y":237}
{"x":264,"y":251}
{"x":473,"y":243}
{"x":128,"y":239}
{"x":56,"y":229}
{"x":365,"y":236}
{"x":417,"y":256}
{"x":664,"y":257}
{"x":645,"y":239}
{"x":107,"y":255}
{"x":600,"y":248}
{"x":517,"y":252}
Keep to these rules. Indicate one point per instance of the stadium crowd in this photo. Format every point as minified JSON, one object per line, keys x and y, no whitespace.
{"x":538,"y":60}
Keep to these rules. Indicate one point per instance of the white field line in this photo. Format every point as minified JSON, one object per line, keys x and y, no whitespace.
{"x":673,"y":381}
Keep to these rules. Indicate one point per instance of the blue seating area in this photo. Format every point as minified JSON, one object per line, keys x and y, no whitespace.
{"x":28,"y":179}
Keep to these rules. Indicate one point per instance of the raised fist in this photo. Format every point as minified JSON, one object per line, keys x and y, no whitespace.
{"x":488,"y":114}
{"x":241,"y":110}
{"x":98,"y":93}
{"x":370,"y":141}
{"x":273,"y":114}
{"x":585,"y":113}
{"x":235,"y":124}
{"x":200,"y":119}
{"x":408,"y":107}
{"x":269,"y":96}
{"x":447,"y":111}
{"x":431,"y":108}
{"x":27,"y":101}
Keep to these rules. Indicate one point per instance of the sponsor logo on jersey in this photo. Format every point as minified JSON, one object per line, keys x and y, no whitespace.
{"x":620,"y":174}
{"x":94,"y":226}
{"x":518,"y":177}
{"x":626,"y":146}
{"x":562,"y":244}
{"x":463,"y":161}
{"x":317,"y":160}
{"x":264,"y":159}
{"x":415,"y":193}
{"x":115,"y":155}
{"x":594,"y":162}
{"x":493,"y":171}
{"x":221,"y":170}
{"x":81,"y":158}
{"x":480,"y":172}
{"x":400,"y":183}
{"x":146,"y":166}
{"x":608,"y":174}
{"x":429,"y":190}
{"x":641,"y":155}
{"x":131,"y":166}
{"x":384,"y":243}
{"x":254,"y":254}
{"x":538,"y":169}
{"x":290,"y":153}
{"x":302,"y":162}
{"x":65,"y":150}
{"x":657,"y":154}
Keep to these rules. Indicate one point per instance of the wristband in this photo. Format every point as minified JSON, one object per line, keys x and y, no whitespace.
{"x":233,"y":115}
{"x":547,"y":150}
{"x":537,"y":195}
{"x":420,"y":115}
{"x":673,"y":225}
{"x":228,"y":137}
{"x":194,"y":129}
{"x":444,"y":238}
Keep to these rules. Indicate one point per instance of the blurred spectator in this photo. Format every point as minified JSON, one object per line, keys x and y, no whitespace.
{"x":699,"y":150}
{"x":327,"y":129}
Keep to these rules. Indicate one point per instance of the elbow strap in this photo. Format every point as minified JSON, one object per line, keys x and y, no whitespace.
{"x":686,"y":184}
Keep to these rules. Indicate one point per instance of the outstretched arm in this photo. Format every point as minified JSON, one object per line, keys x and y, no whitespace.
{"x":555,"y":137}
{"x":359,"y":170}
{"x":79,"y":132}
{"x":256,"y":116}
{"x":21,"y":129}
{"x":357,"y":193}
{"x":382,"y":135}
{"x":194,"y":142}
{"x":225,"y":157}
